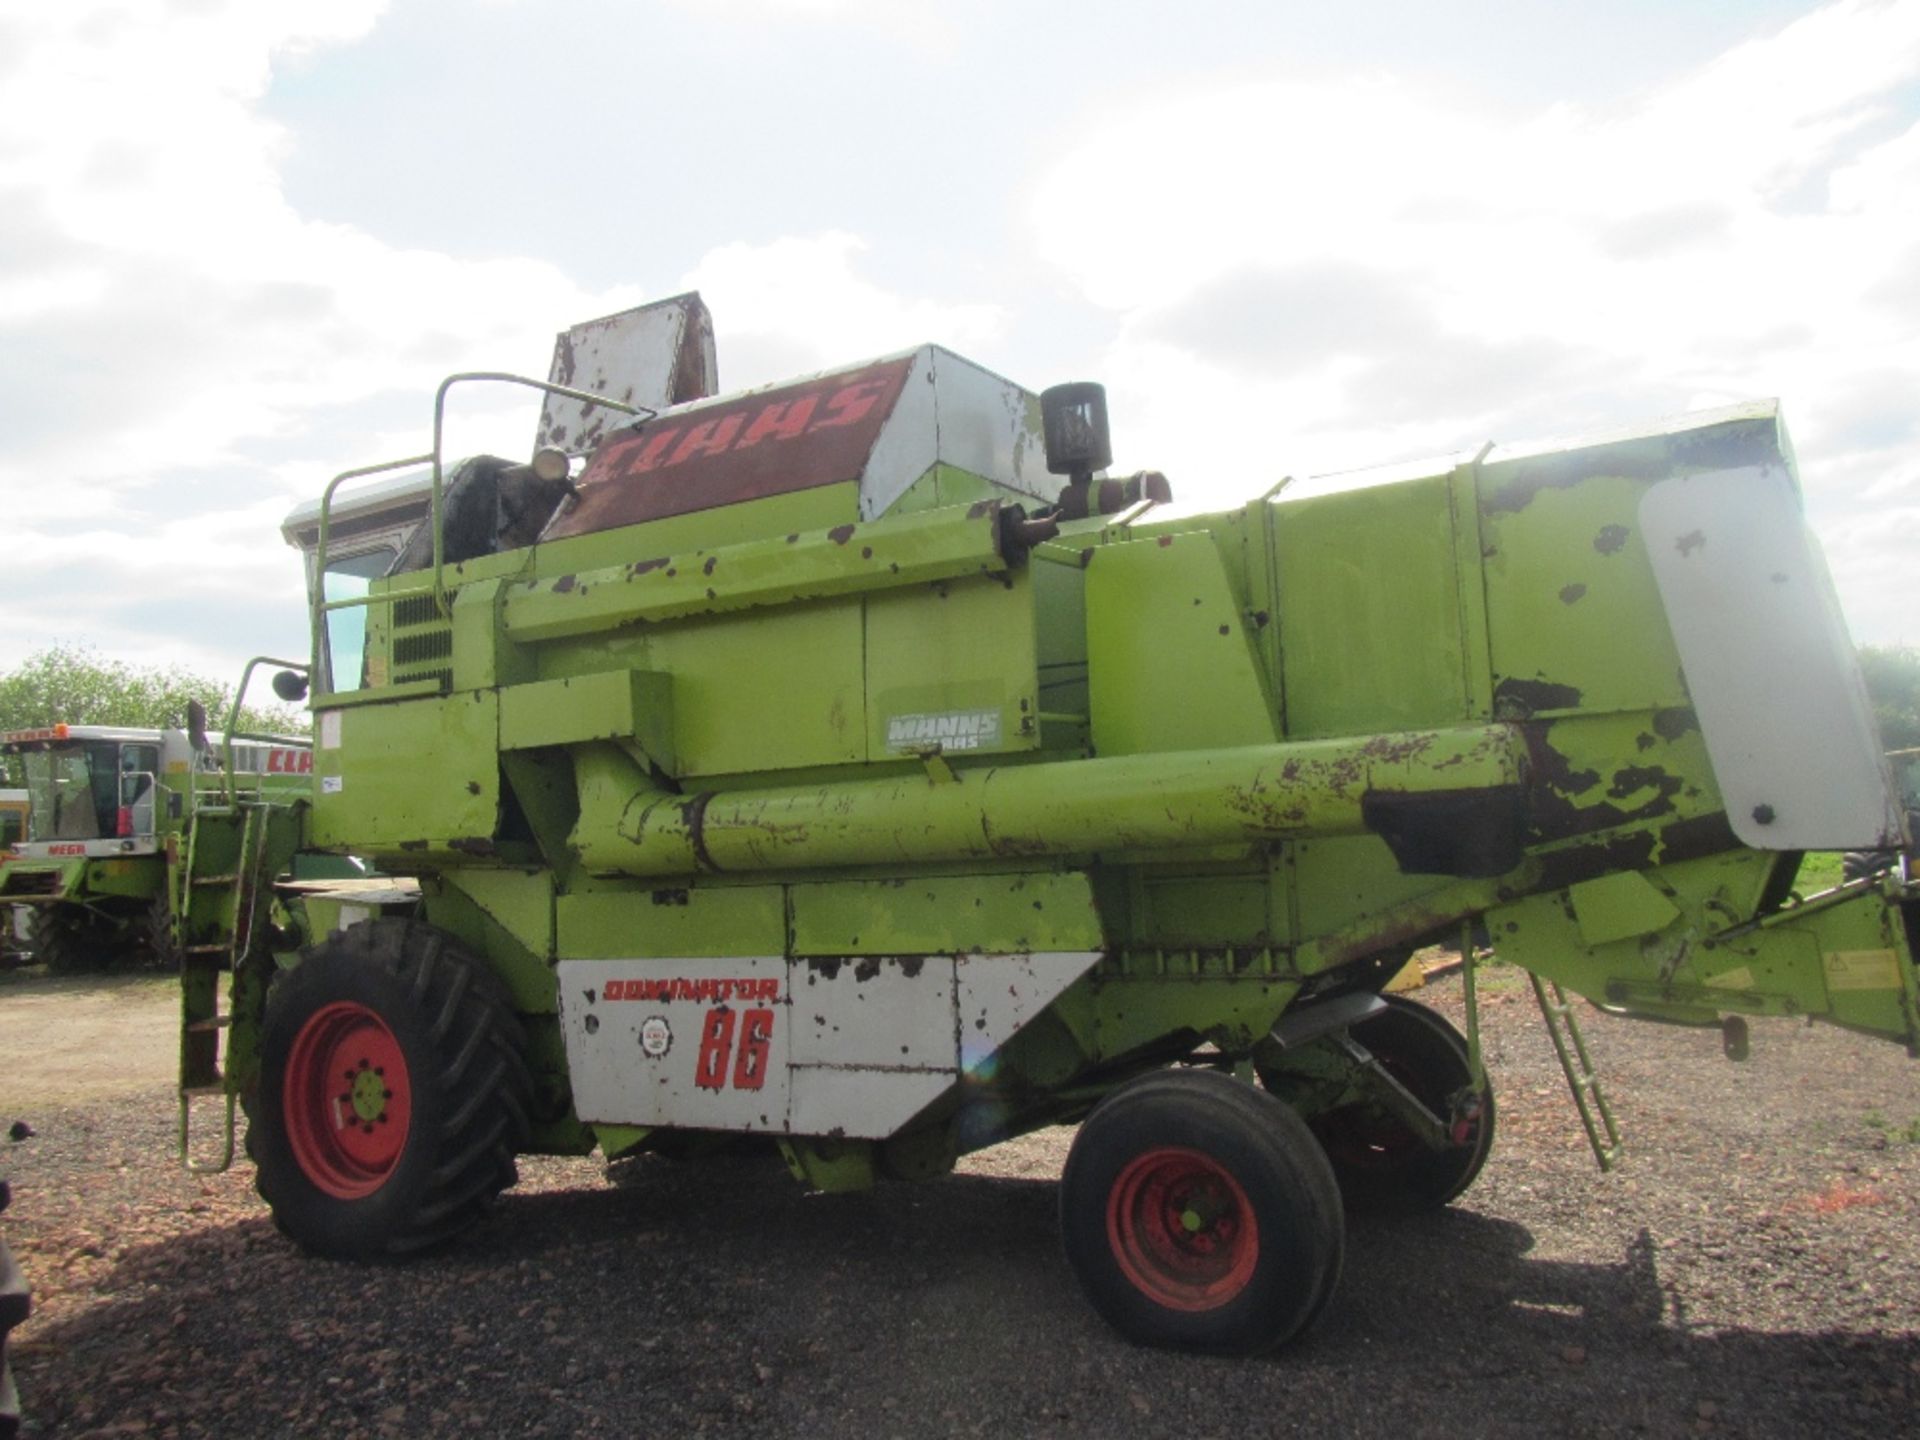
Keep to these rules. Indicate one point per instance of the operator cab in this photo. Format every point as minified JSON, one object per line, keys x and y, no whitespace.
{"x":95,"y":789}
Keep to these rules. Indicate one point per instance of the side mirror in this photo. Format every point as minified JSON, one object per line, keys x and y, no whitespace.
{"x":197,"y":727}
{"x":290,"y":686}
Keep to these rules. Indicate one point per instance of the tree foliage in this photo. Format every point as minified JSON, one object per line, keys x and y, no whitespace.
{"x":75,"y":686}
{"x":1893,"y":683}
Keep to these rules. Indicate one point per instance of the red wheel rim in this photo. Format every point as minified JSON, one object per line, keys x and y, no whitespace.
{"x":1182,"y":1230}
{"x":348,"y":1101}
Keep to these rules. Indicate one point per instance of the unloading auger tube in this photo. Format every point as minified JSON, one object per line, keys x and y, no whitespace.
{"x":630,"y":825}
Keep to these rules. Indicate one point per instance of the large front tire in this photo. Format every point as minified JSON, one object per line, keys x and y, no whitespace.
{"x":1199,"y":1213}
{"x":393,"y":1093}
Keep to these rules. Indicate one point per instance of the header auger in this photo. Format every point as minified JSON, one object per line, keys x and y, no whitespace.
{"x":851,"y":763}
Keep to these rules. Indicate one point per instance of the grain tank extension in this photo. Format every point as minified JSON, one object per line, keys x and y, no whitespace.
{"x":854,"y":764}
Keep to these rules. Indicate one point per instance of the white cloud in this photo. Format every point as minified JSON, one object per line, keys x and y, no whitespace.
{"x":185,"y":355}
{"x":798,"y":304}
{"x":1355,"y":269}
{"x":921,"y":25}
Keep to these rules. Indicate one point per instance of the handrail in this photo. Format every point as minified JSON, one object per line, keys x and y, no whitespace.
{"x":233,"y":713}
{"x":321,"y":605}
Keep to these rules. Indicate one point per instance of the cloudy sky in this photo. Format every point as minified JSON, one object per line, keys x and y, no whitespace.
{"x":241,"y":241}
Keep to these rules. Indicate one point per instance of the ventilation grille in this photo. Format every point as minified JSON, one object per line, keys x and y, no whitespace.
{"x":422,"y":642}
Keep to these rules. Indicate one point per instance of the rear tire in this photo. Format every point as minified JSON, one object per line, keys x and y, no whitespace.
{"x":1380,"y":1164}
{"x":1199,"y":1213}
{"x":393,"y":1094}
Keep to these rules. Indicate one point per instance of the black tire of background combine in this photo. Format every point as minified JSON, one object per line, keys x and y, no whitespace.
{"x":1858,"y":864}
{"x":158,"y":948}
{"x":71,"y":940}
{"x":1276,"y":1161}
{"x":464,"y":1049}
{"x":1424,"y":1052}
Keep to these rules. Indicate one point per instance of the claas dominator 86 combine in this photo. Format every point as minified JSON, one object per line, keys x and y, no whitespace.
{"x":851,"y":763}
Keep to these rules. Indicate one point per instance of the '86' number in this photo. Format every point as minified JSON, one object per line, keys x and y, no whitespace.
{"x":718,"y":1055}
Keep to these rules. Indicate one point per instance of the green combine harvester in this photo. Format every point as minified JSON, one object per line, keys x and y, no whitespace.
{"x":96,"y":875}
{"x":853,"y":763}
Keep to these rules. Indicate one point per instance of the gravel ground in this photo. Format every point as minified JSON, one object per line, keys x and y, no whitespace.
{"x":1750,"y":1270}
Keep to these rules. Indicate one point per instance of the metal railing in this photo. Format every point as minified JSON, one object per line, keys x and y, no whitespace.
{"x":322,"y":607}
{"x":233,"y":731}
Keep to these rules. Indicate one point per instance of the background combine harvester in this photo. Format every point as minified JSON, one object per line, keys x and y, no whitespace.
{"x":829,"y":763}
{"x":99,"y":871}
{"x":13,"y":829}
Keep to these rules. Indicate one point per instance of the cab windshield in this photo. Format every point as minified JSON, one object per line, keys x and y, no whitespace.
{"x":91,"y":790}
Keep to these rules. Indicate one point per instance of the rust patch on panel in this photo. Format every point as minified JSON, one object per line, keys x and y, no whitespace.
{"x":694,"y":814}
{"x":1516,"y":699}
{"x":1696,"y":837}
{"x":1631,"y":779}
{"x":1571,"y":594}
{"x":1611,"y":539}
{"x":1479,"y":833}
{"x":1561,"y":868}
{"x":1672,"y":723}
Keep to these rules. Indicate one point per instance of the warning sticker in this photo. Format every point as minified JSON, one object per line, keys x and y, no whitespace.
{"x":1862,"y":970}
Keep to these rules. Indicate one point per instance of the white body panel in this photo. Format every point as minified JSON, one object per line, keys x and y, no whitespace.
{"x":653,"y":356}
{"x":1769,"y":664}
{"x":954,"y":411}
{"x":852,"y":1046}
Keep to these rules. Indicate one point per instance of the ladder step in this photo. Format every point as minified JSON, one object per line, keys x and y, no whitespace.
{"x":218,"y":948}
{"x":201,"y":1092}
{"x":215,"y":879}
{"x":202,"y":1027}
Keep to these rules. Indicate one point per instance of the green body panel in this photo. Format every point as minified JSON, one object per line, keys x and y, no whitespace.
{"x":941,"y":914}
{"x":1380,"y":564}
{"x":1846,"y":958}
{"x":1162,"y":610}
{"x":844,"y":560}
{"x":616,"y":920}
{"x":508,"y":914}
{"x":960,"y":648}
{"x":138,"y":877}
{"x":630,"y":705}
{"x":409,"y":777}
{"x":1210,"y":768}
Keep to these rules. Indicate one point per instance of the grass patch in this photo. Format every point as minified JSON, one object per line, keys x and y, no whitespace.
{"x":1819,"y":871}
{"x":1907,"y":1134}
